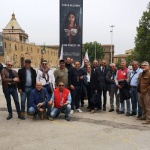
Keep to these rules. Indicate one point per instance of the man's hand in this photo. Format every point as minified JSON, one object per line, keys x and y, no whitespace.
{"x":72,"y":87}
{"x":41,"y":109}
{"x":39,"y":104}
{"x":15,"y":79}
{"x":20,"y":91}
{"x":81,"y":77}
{"x":119,"y":86}
{"x":50,"y":103}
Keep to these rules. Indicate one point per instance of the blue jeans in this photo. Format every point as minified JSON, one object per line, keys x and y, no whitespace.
{"x":56,"y":111}
{"x":33,"y":111}
{"x":127,"y":105}
{"x":12,"y":91}
{"x":25,"y":95}
{"x":134,"y":100}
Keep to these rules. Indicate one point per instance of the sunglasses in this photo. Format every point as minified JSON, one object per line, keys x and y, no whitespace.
{"x":44,"y":64}
{"x":61,"y":85}
{"x":9,"y":65}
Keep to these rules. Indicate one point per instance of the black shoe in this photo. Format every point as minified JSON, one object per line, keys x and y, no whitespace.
{"x":21,"y":117}
{"x":117,"y":110}
{"x":120,"y":112}
{"x":110,"y":110}
{"x":9,"y":117}
{"x":104,"y":108}
{"x":139,"y":116}
{"x":67,"y":118}
{"x":133,"y":114}
{"x":127,"y":114}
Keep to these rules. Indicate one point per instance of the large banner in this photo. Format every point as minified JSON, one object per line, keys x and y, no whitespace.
{"x":71,"y":21}
{"x":1,"y":44}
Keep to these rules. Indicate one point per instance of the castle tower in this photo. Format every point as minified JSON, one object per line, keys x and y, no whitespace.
{"x":13,"y":31}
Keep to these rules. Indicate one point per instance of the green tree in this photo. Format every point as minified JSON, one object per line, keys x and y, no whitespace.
{"x":91,"y":51}
{"x":142,"y":40}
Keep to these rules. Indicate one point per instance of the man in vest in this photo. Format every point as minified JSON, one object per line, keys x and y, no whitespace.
{"x":62,"y":99}
{"x":121,"y":80}
{"x":144,"y":92}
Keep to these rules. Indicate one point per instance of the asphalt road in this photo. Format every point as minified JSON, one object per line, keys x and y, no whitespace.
{"x":85,"y":131}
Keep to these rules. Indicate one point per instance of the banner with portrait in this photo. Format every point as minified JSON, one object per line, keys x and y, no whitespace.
{"x":1,"y":45}
{"x":71,"y":22}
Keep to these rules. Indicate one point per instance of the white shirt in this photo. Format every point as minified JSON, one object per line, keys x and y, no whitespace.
{"x":88,"y":77}
{"x":39,"y":77}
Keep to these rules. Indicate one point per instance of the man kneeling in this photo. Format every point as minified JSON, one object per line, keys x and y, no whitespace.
{"x":39,"y":100}
{"x":62,"y":99}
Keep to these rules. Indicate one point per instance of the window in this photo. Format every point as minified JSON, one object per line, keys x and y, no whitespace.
{"x":21,"y":47}
{"x":15,"y":47}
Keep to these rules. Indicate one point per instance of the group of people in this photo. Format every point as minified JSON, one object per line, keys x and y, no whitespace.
{"x":49,"y":93}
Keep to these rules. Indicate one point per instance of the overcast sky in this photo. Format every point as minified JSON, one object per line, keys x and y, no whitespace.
{"x":40,"y":20}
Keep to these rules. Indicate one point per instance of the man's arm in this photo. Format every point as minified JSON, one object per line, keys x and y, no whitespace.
{"x":69,"y":98}
{"x":32,"y":98}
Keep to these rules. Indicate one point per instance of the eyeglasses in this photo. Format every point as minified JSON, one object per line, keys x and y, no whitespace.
{"x":9,"y":65}
{"x":61,"y":85}
{"x":44,"y":64}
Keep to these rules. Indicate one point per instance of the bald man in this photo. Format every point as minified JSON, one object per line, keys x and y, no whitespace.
{"x":39,"y":100}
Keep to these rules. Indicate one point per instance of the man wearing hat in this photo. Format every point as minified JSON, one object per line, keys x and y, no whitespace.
{"x":144,"y":92}
{"x":27,"y":77}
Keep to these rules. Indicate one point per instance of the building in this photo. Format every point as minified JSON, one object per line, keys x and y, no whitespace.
{"x":17,"y":47}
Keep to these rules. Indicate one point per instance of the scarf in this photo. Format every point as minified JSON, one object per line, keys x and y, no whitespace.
{"x":45,"y":72}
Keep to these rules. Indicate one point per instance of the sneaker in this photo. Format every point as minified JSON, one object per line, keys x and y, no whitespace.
{"x":67,"y":118}
{"x":50,"y":118}
{"x":92,"y":111}
{"x":133,"y":114}
{"x":79,"y":110}
{"x":117,"y":110}
{"x":127,"y":114}
{"x":71,"y":112}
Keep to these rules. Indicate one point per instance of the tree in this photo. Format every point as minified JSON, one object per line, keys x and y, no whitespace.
{"x":142,"y":39}
{"x":91,"y":50}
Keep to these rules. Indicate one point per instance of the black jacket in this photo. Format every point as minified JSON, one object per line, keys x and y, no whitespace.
{"x":100,"y":78}
{"x":22,"y":78}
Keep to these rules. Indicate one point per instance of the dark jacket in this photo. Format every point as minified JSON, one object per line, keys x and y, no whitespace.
{"x":109,"y":79}
{"x":74,"y":77}
{"x":6,"y":79}
{"x":41,"y":96}
{"x":22,"y":78}
{"x":93,"y":79}
{"x":101,"y":78}
{"x":68,"y":66}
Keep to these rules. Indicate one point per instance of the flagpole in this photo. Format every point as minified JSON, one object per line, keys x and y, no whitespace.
{"x":95,"y":50}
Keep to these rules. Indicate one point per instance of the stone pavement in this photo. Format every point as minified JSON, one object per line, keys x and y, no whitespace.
{"x":85,"y":131}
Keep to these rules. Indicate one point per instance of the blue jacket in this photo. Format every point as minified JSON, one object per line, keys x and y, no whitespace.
{"x":36,"y":97}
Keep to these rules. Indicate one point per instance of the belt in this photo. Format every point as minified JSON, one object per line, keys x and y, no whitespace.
{"x":133,"y":86}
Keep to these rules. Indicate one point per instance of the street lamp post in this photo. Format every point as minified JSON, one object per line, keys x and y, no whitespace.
{"x":111,"y":40}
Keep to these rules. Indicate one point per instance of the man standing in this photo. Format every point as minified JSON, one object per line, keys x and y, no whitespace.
{"x":84,"y":92}
{"x":101,"y":72}
{"x":9,"y":84}
{"x":112,"y":87}
{"x":93,"y":84}
{"x":39,"y":100}
{"x":144,"y":92}
{"x":27,"y":77}
{"x":61,"y":73}
{"x":46,"y":77}
{"x":121,"y":80}
{"x":68,"y":64}
{"x":133,"y":81}
{"x":62,"y":99}
{"x":75,"y":79}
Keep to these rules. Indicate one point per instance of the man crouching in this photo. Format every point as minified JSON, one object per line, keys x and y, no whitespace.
{"x":62,"y":99}
{"x":39,"y":101}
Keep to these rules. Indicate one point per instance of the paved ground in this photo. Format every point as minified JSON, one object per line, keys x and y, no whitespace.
{"x":85,"y":131}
